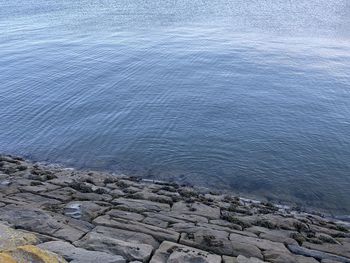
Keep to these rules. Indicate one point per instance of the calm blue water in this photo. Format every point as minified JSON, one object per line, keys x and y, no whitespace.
{"x":249,"y":96}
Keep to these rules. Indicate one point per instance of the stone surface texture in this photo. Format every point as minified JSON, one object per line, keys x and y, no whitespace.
{"x":55,"y":214}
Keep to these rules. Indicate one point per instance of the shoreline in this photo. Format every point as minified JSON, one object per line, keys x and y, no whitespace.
{"x":290,"y":205}
{"x":130,"y":219}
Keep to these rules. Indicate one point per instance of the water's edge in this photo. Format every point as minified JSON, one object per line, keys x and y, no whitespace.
{"x":283,"y":205}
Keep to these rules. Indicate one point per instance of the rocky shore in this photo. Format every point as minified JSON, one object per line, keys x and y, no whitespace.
{"x":51,"y":214}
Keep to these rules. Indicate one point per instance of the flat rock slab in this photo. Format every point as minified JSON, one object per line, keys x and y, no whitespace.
{"x":240,"y":259}
{"x":125,"y":215}
{"x":262,"y":244}
{"x":37,"y":220}
{"x":337,"y":249}
{"x":140,"y":206}
{"x":196,"y":208}
{"x":207,"y":239}
{"x":80,"y":255}
{"x":126,"y":235}
{"x":169,"y":252}
{"x":33,"y":199}
{"x":158,"y":233}
{"x":85,"y":210}
{"x":129,"y":250}
{"x":319,"y":255}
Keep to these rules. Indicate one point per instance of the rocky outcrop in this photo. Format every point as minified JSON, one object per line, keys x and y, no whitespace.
{"x":52,"y":214}
{"x":19,"y":246}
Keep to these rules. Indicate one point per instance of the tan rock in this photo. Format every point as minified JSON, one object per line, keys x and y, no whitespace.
{"x":10,"y":238}
{"x":29,"y":253}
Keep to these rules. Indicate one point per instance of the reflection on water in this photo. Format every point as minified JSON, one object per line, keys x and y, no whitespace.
{"x":248,"y":96}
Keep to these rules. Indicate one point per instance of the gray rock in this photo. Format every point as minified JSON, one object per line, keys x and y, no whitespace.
{"x":34,"y":200}
{"x":319,"y":255}
{"x":176,"y":253}
{"x":225,"y":223}
{"x":92,"y":197}
{"x":42,"y":187}
{"x":186,"y":217}
{"x":196,"y":209}
{"x":243,"y":259}
{"x":63,"y":194}
{"x":152,"y":197}
{"x":84,"y":210}
{"x":139,"y":206}
{"x":128,"y":236}
{"x":129,"y":250}
{"x":227,"y":229}
{"x":155,"y":222}
{"x":302,"y":259}
{"x":117,"y":193}
{"x":62,"y":181}
{"x":337,"y":249}
{"x":158,"y":233}
{"x":80,"y":255}
{"x":278,"y":236}
{"x":36,"y":220}
{"x":161,"y":219}
{"x":260,"y":243}
{"x":125,"y":215}
{"x":207,"y":239}
{"x":228,"y":259}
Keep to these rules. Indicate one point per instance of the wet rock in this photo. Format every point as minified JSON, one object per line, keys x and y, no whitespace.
{"x":337,"y":249}
{"x":176,"y":253}
{"x":319,"y":255}
{"x":4,"y":183}
{"x":80,"y":255}
{"x":84,"y":210}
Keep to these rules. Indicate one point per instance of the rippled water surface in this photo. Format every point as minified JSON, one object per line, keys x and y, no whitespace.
{"x":249,"y":96}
